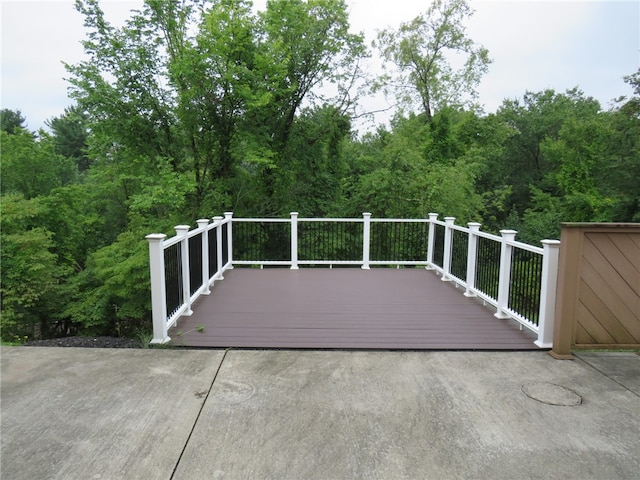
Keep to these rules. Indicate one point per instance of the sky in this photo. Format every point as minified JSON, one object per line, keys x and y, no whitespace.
{"x":534,"y":45}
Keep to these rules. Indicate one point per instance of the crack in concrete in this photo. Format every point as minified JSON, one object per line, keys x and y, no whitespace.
{"x":606,"y":375}
{"x":195,"y":422}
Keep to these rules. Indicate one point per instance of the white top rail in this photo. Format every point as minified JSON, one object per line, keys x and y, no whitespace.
{"x":400,"y":220}
{"x":487,"y":235}
{"x":354,"y":220}
{"x":263,"y":220}
{"x":526,"y":246}
{"x":171,"y":241}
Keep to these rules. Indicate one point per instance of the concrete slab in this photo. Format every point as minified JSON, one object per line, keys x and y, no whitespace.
{"x":78,"y":413}
{"x":622,"y":367}
{"x":337,"y":414}
{"x":72,"y":413}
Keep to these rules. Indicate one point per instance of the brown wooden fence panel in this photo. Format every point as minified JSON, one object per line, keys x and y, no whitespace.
{"x":598,"y":301}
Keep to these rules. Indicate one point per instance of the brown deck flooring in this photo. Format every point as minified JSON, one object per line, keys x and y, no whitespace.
{"x":346,"y":308}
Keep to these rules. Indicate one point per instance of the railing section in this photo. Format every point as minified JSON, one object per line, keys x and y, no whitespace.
{"x":185,"y":267}
{"x":518,"y":279}
{"x":363,"y":242}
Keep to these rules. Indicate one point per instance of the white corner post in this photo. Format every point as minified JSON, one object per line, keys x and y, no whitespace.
{"x":182,"y":231}
{"x":158,"y":292}
{"x":294,"y":241}
{"x":203,"y":223}
{"x":448,"y":248}
{"x":431,"y":240}
{"x":366,"y":240}
{"x":472,"y":258}
{"x":504,"y":278}
{"x":217,"y":221}
{"x":549,"y":283}
{"x":229,"y":217}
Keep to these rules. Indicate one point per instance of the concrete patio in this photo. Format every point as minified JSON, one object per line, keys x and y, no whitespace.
{"x":71,"y":413}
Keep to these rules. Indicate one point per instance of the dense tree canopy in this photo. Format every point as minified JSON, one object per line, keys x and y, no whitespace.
{"x":193,"y":108}
{"x":213,"y":89}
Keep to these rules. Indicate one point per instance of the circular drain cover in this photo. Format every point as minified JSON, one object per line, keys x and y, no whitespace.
{"x":552,"y":394}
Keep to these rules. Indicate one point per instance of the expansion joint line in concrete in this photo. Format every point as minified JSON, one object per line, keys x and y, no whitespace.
{"x":195,"y":422}
{"x":609,"y":377}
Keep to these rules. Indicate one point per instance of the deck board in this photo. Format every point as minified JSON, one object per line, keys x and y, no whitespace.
{"x":346,"y":308}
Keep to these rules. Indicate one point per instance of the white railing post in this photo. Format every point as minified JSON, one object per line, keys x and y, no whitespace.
{"x":431,"y":240}
{"x":158,"y":292}
{"x":546,"y":317}
{"x":504,"y":279}
{"x":448,"y":244}
{"x":229,"y":216}
{"x":182,"y":231}
{"x":294,"y":241}
{"x":202,"y":225}
{"x":218,"y":226}
{"x":366,"y":240}
{"x":472,"y":258}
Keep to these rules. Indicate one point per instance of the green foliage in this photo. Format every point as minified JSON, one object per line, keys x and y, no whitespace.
{"x":114,"y":288}
{"x":312,"y":165}
{"x":214,"y":89}
{"x":540,"y":221}
{"x":576,"y":163}
{"x":579,"y":150}
{"x":70,"y":135}
{"x":11,"y":121}
{"x":619,"y":175}
{"x":412,"y":177}
{"x":416,"y":55}
{"x":31,"y":276}
{"x":534,"y":121}
{"x":77,"y":218}
{"x":160,"y":194}
{"x":31,"y":167}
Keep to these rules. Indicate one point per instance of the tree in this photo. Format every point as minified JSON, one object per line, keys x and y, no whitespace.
{"x":531,"y":121}
{"x":580,"y":151}
{"x":421,"y":52}
{"x":124,"y":91}
{"x":311,"y":43}
{"x":631,"y":106}
{"x":70,"y":135}
{"x":305,"y":44}
{"x":212,"y":88}
{"x":11,"y":120}
{"x":568,"y":161}
{"x":214,"y":77}
{"x":111,"y":295}
{"x":31,"y":276}
{"x":313,"y":165}
{"x":621,"y":174}
{"x":404,"y":182}
{"x":31,"y":166}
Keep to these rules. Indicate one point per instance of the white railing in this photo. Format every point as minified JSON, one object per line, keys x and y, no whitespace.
{"x":518,"y":279}
{"x":172,"y":271}
{"x":339,"y":241}
{"x":544,"y":281}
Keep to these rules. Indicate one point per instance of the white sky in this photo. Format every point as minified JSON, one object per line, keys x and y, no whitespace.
{"x":534,"y":45}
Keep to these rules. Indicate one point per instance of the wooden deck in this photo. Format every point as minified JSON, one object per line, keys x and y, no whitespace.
{"x":346,"y":308}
